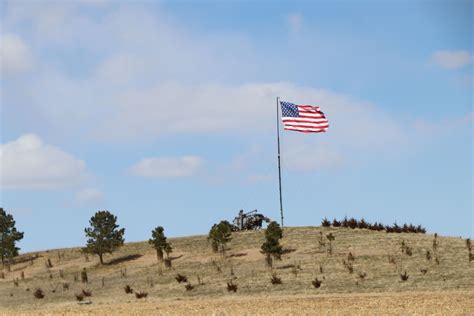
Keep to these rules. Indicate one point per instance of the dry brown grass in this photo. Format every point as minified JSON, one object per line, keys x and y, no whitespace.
{"x":382,"y":288}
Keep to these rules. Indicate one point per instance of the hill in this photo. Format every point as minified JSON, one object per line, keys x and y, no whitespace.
{"x":368,"y":280}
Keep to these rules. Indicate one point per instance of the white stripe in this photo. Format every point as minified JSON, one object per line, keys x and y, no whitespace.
{"x":309,"y":120}
{"x":307,"y":124}
{"x":306,"y":129}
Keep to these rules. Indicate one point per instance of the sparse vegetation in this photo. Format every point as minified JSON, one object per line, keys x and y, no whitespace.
{"x":79,"y":297}
{"x":271,"y":247}
{"x":231,"y":287}
{"x":159,"y":242}
{"x":367,"y":251}
{"x":219,"y":235}
{"x":141,"y":294}
{"x":9,"y":236}
{"x":87,"y":293}
{"x":404,"y":276}
{"x":316,"y":283}
{"x":330,"y":237}
{"x":181,"y":278}
{"x":84,"y":277}
{"x":275,"y":279}
{"x":104,"y":235}
{"x":38,"y":293}
{"x":363,"y":224}
{"x":128,"y":289}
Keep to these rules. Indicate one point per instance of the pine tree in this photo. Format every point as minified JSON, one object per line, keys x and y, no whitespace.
{"x":8,"y":236}
{"x":271,"y":247}
{"x":158,"y":241}
{"x":219,"y":235}
{"x":104,"y":235}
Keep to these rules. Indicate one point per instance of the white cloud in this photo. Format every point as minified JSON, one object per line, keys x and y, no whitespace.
{"x":168,"y":167}
{"x":88,"y":197}
{"x":452,"y":59}
{"x":295,"y":21}
{"x":304,"y":157}
{"x":28,"y":163}
{"x":15,"y":55}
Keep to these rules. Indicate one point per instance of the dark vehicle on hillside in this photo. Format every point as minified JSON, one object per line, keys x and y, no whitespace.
{"x":249,"y":221}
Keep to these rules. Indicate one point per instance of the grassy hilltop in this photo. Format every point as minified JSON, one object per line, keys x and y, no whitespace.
{"x":349,"y":285}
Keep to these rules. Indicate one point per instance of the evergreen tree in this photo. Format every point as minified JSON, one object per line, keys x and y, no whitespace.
{"x":271,"y":247}
{"x":8,"y":236}
{"x":219,"y":235}
{"x":104,"y":235}
{"x":158,"y":241}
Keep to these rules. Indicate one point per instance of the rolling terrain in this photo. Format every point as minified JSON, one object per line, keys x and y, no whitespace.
{"x":362,"y":275}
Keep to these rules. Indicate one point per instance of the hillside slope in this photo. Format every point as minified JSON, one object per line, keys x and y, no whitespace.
{"x":376,"y":268}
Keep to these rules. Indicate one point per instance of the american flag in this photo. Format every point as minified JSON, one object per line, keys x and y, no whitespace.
{"x":303,"y":118}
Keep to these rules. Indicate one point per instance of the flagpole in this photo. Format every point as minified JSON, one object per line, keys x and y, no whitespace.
{"x":279,"y":166}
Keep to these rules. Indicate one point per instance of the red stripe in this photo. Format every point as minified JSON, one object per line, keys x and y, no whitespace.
{"x":308,"y":126}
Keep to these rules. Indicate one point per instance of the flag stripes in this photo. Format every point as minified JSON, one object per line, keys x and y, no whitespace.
{"x":303,"y":118}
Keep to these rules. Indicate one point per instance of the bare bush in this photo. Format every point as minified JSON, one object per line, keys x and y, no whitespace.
{"x":275,"y":279}
{"x":38,"y":293}
{"x":87,"y":293}
{"x":79,"y":297}
{"x":128,"y":289}
{"x":316,"y":283}
{"x":231,"y":287}
{"x":404,"y":276}
{"x":181,"y":278}
{"x":189,"y":287}
{"x":141,"y":294}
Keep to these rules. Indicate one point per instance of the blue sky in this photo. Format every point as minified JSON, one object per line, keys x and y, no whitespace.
{"x":164,"y":114}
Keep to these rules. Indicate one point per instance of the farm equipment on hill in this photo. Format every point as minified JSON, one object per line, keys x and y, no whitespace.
{"x":249,"y":221}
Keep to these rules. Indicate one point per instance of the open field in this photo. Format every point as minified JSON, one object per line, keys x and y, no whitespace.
{"x":443,"y":284}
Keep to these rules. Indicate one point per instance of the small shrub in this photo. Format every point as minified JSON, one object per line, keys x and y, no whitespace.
{"x":316,"y":283}
{"x":231,"y":287}
{"x":408,"y":251}
{"x":216,"y":266}
{"x":330,"y":237}
{"x":435,"y":242}
{"x":181,"y":278}
{"x":348,"y":265}
{"x":325,"y":223}
{"x":16,"y":282}
{"x":362,"y":275}
{"x":189,"y":287}
{"x":275,"y":279}
{"x":141,"y":294}
{"x":23,"y":275}
{"x":404,"y":276}
{"x":65,"y":286}
{"x":350,"y":257}
{"x":336,"y":223}
{"x":391,"y":259}
{"x":84,"y":277}
{"x":128,"y":289}
{"x":424,"y":270}
{"x":79,"y":297}
{"x":87,"y":293}
{"x":428,"y":255}
{"x":48,"y":263}
{"x":61,"y":274}
{"x":38,"y":293}
{"x":321,"y":268}
{"x":321,"y":241}
{"x":167,"y":263}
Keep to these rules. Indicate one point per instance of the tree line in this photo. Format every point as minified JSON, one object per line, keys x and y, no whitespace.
{"x":104,"y":236}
